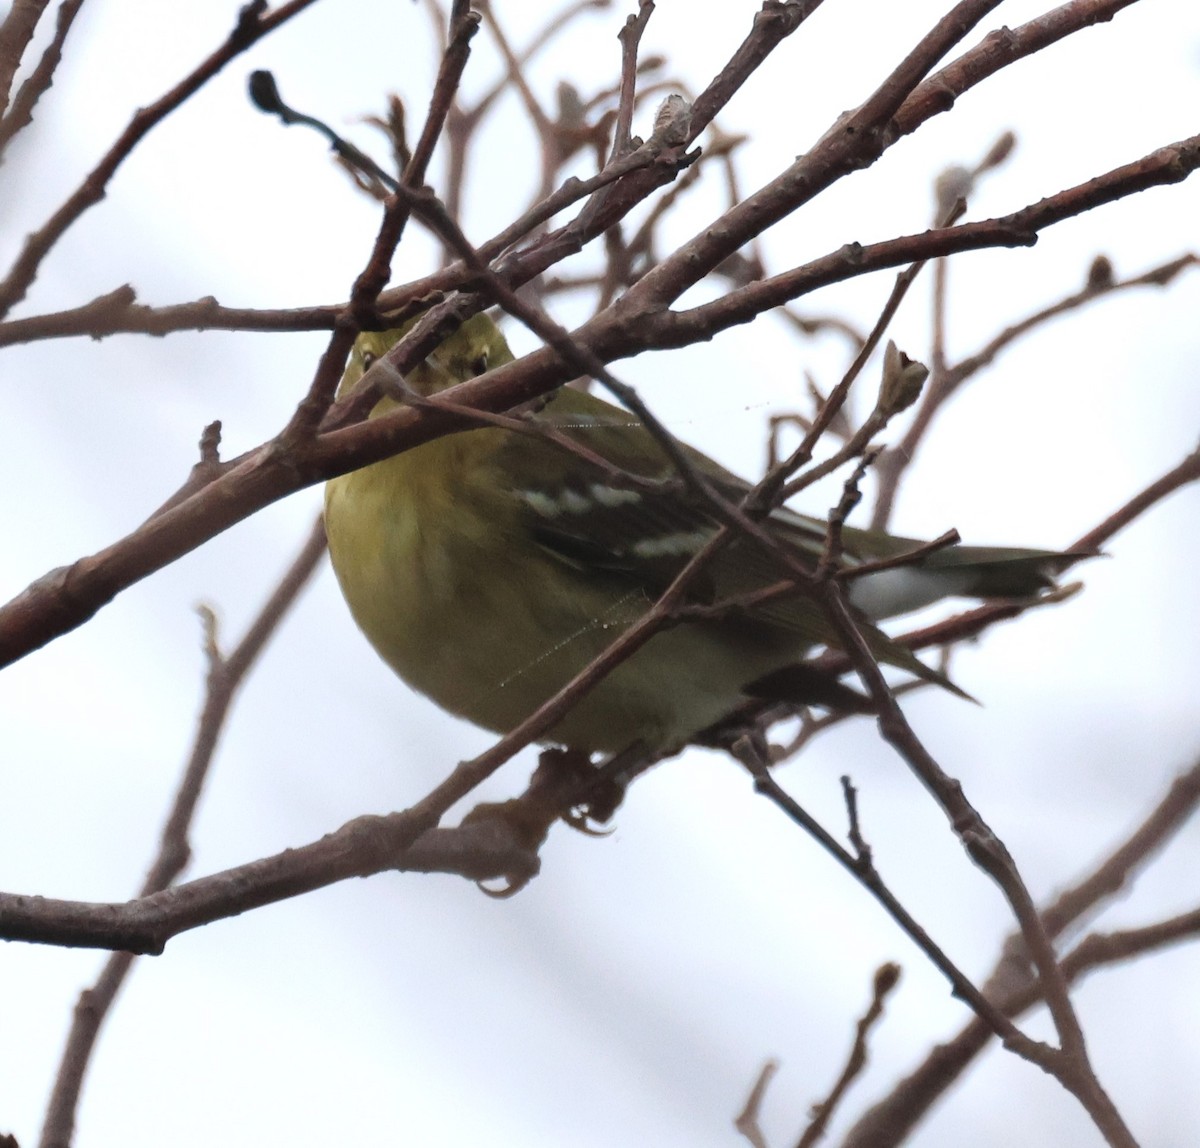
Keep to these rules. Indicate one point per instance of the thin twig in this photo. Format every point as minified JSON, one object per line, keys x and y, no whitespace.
{"x":631,"y":37}
{"x":20,"y":112}
{"x":998,"y":50}
{"x":889,"y":1122}
{"x":1068,"y":1064}
{"x":375,"y":275}
{"x":747,"y":1121}
{"x":972,"y":622}
{"x":887,"y":977}
{"x":253,"y":23}
{"x":856,"y":140}
{"x":945,"y":382}
{"x":16,"y":33}
{"x":1166,"y":165}
{"x":225,"y":676}
{"x":864,"y":871}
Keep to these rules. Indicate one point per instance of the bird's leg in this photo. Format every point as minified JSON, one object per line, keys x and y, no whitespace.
{"x":567,"y":786}
{"x":613,"y":777}
{"x":562,"y":776}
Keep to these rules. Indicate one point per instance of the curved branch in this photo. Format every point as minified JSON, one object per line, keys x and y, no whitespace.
{"x":854,"y":142}
{"x":399,"y":842}
{"x":1166,"y":165}
{"x":998,"y":50}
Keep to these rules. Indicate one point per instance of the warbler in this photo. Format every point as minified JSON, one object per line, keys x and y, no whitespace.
{"x":490,"y":566}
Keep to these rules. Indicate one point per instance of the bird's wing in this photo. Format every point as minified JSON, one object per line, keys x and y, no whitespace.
{"x":601,"y":495}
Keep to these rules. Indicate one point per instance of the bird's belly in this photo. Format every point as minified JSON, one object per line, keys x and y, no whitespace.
{"x":490,"y":640}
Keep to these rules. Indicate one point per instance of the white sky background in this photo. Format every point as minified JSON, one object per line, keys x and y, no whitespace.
{"x":631,"y":993}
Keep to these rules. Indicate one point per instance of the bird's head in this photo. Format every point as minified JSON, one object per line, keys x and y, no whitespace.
{"x":476,"y":347}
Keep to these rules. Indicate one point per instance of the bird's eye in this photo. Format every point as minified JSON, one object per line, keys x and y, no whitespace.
{"x":368,"y":357}
{"x":479,"y":364}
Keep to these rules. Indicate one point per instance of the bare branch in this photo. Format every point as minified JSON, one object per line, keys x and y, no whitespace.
{"x":225,"y":676}
{"x":1167,"y":165}
{"x":396,"y":842}
{"x":746,"y":1121}
{"x":254,"y":22}
{"x":948,"y":380}
{"x":887,"y":977}
{"x":631,"y":37}
{"x":15,"y":35}
{"x":861,"y":868}
{"x":20,"y":113}
{"x":857,"y":140}
{"x":998,"y":50}
{"x":118,"y":312}
{"x":1068,"y":1064}
{"x":889,"y":1122}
